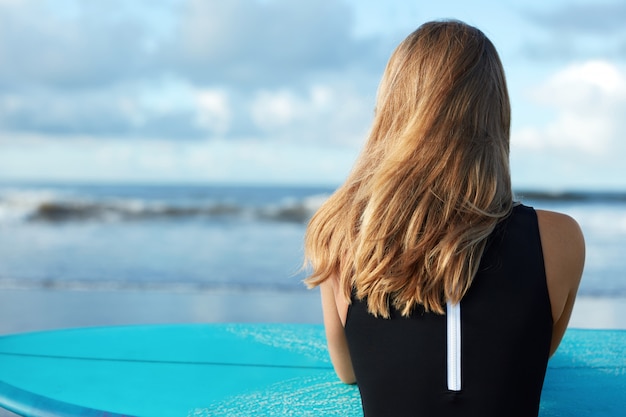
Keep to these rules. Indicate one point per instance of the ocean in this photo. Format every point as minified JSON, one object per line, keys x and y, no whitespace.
{"x":202,"y":239}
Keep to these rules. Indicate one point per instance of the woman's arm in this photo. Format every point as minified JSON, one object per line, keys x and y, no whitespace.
{"x":335,"y":336}
{"x":564,"y":258}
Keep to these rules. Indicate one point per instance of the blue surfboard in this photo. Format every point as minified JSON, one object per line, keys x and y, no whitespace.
{"x":247,"y":370}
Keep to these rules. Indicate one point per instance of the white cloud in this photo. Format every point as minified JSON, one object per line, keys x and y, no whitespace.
{"x":600,"y":82}
{"x":276,"y":109}
{"x":213,"y":111}
{"x":266,"y":42}
{"x":322,"y":114}
{"x":271,"y":110}
{"x":589,"y":99}
{"x":132,"y":111}
{"x":186,"y":69}
{"x":43,"y":45}
{"x":256,"y":75}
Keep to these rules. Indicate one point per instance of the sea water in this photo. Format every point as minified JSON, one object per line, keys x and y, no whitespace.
{"x":208,"y":237}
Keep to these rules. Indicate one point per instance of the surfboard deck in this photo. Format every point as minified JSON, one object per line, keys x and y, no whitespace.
{"x":247,"y":370}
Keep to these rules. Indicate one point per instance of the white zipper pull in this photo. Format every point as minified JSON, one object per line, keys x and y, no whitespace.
{"x":453,"y":313}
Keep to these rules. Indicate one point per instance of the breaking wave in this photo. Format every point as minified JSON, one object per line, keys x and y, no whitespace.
{"x":58,"y":207}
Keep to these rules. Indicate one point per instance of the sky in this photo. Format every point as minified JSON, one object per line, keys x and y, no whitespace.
{"x":282,"y":91}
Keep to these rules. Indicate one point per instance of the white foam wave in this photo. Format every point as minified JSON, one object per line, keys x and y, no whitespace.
{"x":53,"y":206}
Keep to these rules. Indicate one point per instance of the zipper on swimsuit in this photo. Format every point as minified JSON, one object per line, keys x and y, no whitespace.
{"x":453,"y":313}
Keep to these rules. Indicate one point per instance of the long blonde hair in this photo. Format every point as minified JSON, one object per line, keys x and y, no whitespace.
{"x":410,"y":224}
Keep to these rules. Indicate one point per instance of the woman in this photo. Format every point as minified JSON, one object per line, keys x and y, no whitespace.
{"x":441,"y":296}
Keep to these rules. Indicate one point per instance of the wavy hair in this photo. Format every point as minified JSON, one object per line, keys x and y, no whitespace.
{"x":410,"y":224}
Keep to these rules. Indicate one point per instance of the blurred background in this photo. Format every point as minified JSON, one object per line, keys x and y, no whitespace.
{"x":159,"y":160}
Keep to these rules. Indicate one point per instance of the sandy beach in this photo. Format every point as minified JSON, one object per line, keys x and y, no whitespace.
{"x":33,"y":310}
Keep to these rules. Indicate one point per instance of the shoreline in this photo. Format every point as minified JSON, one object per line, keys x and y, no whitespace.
{"x":25,"y":310}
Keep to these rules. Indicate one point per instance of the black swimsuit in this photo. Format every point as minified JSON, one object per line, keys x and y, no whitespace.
{"x":506,"y":330}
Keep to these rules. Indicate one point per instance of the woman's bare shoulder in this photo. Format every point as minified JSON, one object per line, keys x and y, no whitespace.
{"x":561,"y":235}
{"x":563,"y":247}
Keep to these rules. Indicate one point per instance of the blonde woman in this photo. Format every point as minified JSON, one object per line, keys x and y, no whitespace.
{"x":441,"y":295}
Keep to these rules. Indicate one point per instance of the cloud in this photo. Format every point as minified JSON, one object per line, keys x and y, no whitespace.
{"x":186,"y":69}
{"x":325,"y":114}
{"x":123,"y":110}
{"x":578,"y":31}
{"x":581,"y":144}
{"x":213,"y":111}
{"x":597,"y":18}
{"x":208,"y":42}
{"x":40,"y":47}
{"x":589,"y":99}
{"x":271,"y":43}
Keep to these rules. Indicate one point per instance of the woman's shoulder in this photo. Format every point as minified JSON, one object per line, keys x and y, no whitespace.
{"x":560,"y":233}
{"x":563,"y":247}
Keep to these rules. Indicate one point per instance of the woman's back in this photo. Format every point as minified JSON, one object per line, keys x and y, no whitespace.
{"x":506,"y":330}
{"x":426,"y":219}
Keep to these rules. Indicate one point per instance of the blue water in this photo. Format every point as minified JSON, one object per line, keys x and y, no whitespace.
{"x":201,"y":238}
